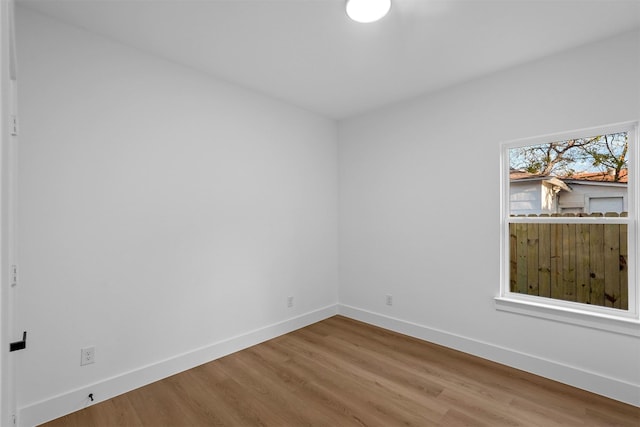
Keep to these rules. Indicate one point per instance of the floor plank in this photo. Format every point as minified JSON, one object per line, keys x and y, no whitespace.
{"x":341,"y":372}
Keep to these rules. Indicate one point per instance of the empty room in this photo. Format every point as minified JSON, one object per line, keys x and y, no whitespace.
{"x":298,"y":212}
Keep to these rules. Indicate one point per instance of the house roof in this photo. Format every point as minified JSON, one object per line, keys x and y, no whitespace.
{"x":516,"y":175}
{"x":600,"y":176}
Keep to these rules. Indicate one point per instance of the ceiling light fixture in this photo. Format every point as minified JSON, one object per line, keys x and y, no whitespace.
{"x":366,"y":11}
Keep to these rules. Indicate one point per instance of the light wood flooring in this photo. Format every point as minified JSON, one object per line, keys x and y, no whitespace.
{"x":340,"y":372}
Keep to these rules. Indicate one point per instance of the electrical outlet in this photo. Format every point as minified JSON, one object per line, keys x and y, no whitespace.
{"x":289,"y":301}
{"x":389,"y":299}
{"x":87,"y":355}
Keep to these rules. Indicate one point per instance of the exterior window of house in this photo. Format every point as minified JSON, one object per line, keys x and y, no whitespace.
{"x":570,"y":205}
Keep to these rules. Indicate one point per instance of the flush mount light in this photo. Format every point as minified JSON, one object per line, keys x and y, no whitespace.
{"x":366,"y":11}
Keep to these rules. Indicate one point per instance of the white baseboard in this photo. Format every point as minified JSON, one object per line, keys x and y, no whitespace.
{"x":590,"y":381}
{"x":74,"y":400}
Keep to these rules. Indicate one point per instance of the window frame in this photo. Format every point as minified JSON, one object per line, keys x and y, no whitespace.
{"x":599,"y":317}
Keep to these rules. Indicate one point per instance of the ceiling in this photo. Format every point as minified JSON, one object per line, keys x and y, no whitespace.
{"x":309,"y":53}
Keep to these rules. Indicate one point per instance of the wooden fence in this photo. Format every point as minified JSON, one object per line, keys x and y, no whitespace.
{"x":585,"y":263}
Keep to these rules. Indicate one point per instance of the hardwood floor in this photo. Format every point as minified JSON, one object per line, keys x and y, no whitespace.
{"x":340,"y":372}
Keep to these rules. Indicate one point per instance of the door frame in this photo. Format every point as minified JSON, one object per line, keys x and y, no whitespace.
{"x":8,"y":173}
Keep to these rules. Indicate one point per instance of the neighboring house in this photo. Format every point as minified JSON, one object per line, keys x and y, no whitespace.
{"x":581,"y":193}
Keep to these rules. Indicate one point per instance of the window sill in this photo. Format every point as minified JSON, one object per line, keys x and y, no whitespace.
{"x":605,"y":322}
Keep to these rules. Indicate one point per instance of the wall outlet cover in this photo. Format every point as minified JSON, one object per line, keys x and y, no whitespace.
{"x":87,"y":355}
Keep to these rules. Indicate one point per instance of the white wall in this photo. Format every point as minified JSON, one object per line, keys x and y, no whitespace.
{"x":420,"y":211}
{"x":160,"y":212}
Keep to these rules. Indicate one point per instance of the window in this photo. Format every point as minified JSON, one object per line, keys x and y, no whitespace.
{"x":569,"y":214}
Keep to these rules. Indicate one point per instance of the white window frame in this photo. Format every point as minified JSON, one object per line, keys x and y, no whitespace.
{"x":621,"y":321}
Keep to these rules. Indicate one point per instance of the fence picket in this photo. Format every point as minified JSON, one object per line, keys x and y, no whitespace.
{"x":583,"y":292}
{"x":532,"y":259}
{"x":556,"y":261}
{"x":612,"y":264}
{"x":596,"y":256}
{"x":544,"y":260}
{"x":624,"y":278}
{"x":568,"y":262}
{"x":521,"y":283}
{"x":513,"y":258}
